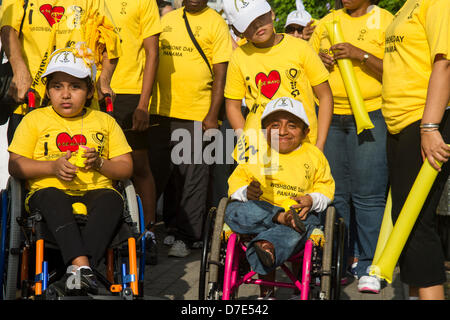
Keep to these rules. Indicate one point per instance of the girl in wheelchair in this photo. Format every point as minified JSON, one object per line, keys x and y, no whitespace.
{"x":70,"y":153}
{"x":300,"y":175}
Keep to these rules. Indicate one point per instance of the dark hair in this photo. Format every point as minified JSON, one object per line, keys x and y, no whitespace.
{"x":87,"y":80}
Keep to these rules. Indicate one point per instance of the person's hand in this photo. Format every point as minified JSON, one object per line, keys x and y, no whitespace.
{"x":328,"y":61}
{"x":434,"y":148}
{"x":20,"y":84}
{"x":308,"y":30}
{"x":63,"y":169}
{"x":347,"y":50}
{"x":210,"y":122}
{"x":103,"y":88}
{"x":304,"y":205}
{"x":91,"y":156}
{"x":140,"y":119}
{"x":254,"y":190}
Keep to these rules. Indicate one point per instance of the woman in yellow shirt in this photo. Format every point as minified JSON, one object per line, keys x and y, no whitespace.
{"x":358,"y":162}
{"x":416,"y":92}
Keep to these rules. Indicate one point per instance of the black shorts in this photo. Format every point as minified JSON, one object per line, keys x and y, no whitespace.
{"x":124,"y":106}
{"x":422,"y":259}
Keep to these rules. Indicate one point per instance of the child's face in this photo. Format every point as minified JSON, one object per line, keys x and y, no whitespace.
{"x":286,"y":130}
{"x":295,"y":30}
{"x":261,"y":29}
{"x":68,"y":94}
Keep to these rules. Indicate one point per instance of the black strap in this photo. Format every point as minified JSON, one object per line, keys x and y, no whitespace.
{"x":188,"y":27}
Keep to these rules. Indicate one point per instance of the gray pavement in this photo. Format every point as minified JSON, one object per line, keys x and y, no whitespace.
{"x":177,"y":279}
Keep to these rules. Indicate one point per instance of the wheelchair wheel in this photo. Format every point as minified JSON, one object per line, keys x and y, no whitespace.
{"x":132,"y":204}
{"x":338,"y":258}
{"x":212,"y":262}
{"x":207,"y":232}
{"x":327,"y":258}
{"x":11,"y":237}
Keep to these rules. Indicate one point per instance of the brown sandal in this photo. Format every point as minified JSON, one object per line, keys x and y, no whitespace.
{"x":265,"y":252}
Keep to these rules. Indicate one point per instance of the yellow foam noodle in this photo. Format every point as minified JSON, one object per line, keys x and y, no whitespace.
{"x":385,"y":264}
{"x":385,"y":229}
{"x":351,"y":85}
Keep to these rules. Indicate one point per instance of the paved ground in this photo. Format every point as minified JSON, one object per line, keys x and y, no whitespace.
{"x":177,"y":279}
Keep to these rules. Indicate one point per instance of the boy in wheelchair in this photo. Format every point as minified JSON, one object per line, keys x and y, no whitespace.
{"x":69,"y":153}
{"x":302,"y":175}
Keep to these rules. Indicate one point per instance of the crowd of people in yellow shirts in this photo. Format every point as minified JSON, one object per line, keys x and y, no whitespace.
{"x":187,"y":74}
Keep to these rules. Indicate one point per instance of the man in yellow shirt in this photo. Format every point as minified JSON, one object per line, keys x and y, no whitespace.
{"x":49,"y":25}
{"x":139,"y":26}
{"x":187,"y":95}
{"x":297,"y":170}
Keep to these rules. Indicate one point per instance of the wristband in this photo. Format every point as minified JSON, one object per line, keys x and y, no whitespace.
{"x":99,"y":163}
{"x":429,"y":126}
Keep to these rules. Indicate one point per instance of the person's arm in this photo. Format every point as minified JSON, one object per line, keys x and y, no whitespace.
{"x":140,"y":116}
{"x":234,"y":115}
{"x":432,"y":144}
{"x":116,"y":168}
{"x":323,"y":93}
{"x":25,"y":168}
{"x":21,"y":81}
{"x":372,"y":63}
{"x":218,"y":85}
{"x":104,"y":80}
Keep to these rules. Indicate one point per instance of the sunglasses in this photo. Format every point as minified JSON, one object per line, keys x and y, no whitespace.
{"x":290,"y":29}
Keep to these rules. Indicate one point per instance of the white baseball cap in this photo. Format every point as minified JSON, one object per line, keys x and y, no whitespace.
{"x":65,"y":60}
{"x":287,"y":104}
{"x":300,"y":17}
{"x":240,"y":13}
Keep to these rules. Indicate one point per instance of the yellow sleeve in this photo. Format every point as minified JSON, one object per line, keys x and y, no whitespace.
{"x":314,"y":68}
{"x":221,"y":47}
{"x":25,"y":137}
{"x":234,"y":85}
{"x":118,"y":144}
{"x":323,"y":180}
{"x":314,"y":41}
{"x":11,"y":13}
{"x":238,"y":179}
{"x":437,"y":22}
{"x":150,"y":20}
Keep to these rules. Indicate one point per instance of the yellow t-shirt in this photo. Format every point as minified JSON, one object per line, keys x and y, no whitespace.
{"x":135,"y":20}
{"x":299,"y":172}
{"x":46,"y":136}
{"x":419,"y":31}
{"x":183,"y":82}
{"x":288,"y":69}
{"x":367,"y":33}
{"x":74,"y":20}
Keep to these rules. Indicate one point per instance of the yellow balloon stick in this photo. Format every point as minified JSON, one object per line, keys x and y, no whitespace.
{"x":350,"y":83}
{"x":384,"y":267}
{"x":385,"y":229}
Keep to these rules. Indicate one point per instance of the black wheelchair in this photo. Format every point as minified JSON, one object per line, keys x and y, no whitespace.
{"x":30,"y":261}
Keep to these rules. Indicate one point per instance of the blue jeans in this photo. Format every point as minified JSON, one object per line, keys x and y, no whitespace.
{"x":255,"y":217}
{"x":359,"y":167}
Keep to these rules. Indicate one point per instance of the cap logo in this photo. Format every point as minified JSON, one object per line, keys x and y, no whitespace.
{"x":64,"y":58}
{"x":243,"y":4}
{"x":282,"y":102}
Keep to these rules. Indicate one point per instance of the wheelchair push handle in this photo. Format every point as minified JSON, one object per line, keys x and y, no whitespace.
{"x":109,"y":104}
{"x":31,"y":99}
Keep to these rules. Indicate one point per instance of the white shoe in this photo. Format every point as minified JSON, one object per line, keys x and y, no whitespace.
{"x":197,"y":245}
{"x":179,"y":249}
{"x":369,"y":284}
{"x":169,"y":240}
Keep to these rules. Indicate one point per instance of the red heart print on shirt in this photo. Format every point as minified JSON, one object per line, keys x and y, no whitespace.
{"x":65,"y":142}
{"x":52,"y":14}
{"x":269,"y":84}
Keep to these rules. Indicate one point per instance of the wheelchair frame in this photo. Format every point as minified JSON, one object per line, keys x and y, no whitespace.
{"x":221,"y":255}
{"x":14,"y":250}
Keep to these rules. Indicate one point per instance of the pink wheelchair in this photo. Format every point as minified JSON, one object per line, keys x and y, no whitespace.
{"x":224,"y":267}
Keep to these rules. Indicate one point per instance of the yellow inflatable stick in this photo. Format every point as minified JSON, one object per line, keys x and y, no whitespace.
{"x":286,"y":204}
{"x":385,"y":230}
{"x":384,"y":267}
{"x":348,"y":76}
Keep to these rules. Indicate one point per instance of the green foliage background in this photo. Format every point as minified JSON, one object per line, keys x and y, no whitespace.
{"x":319,"y":8}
